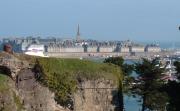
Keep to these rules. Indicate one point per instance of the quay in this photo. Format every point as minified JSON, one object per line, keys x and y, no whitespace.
{"x":136,"y":56}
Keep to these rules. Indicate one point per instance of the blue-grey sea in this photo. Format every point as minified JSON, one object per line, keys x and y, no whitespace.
{"x":131,"y":103}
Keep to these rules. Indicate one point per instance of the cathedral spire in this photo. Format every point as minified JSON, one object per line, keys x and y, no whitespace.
{"x":78,"y":34}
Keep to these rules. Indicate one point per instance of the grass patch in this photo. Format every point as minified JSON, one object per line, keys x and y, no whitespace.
{"x":5,"y":90}
{"x":3,"y":83}
{"x":17,"y":102}
{"x":79,"y":68}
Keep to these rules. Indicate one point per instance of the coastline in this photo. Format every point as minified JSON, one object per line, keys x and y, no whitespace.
{"x":126,"y":56}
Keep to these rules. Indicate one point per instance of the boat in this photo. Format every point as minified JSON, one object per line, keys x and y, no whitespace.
{"x":36,"y":50}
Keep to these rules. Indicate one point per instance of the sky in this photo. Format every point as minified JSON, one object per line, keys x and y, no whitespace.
{"x":139,"y":20}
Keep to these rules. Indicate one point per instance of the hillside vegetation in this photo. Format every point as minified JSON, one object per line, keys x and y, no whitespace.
{"x":62,"y":75}
{"x":8,"y":98}
{"x":3,"y":83}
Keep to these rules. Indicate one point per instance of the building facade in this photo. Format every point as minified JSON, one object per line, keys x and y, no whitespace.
{"x":92,"y":49}
{"x":64,"y":49}
{"x":149,"y":48}
{"x":136,"y":48}
{"x":124,"y":49}
{"x":106,"y":49}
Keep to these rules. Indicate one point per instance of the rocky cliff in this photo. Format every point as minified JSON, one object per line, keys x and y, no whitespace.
{"x":97,"y":95}
{"x":24,"y":99}
{"x":21,"y":90}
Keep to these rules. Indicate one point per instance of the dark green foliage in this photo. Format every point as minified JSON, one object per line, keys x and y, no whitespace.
{"x":149,"y":70}
{"x":115,"y":60}
{"x":61,"y":75}
{"x":127,"y":69}
{"x":173,"y":91}
{"x":150,"y":75}
{"x":119,"y":61}
{"x":177,"y":65}
{"x":156,"y":100}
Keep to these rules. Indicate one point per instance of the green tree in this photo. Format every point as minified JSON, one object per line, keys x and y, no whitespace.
{"x":173,"y":90}
{"x":126,"y":68}
{"x":150,"y":82}
{"x":177,"y":65}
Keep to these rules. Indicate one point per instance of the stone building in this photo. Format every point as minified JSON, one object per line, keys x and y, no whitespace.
{"x":57,"y":48}
{"x":124,"y":49}
{"x":152,"y":48}
{"x":136,"y":48}
{"x":92,"y":49}
{"x":106,"y":49}
{"x":74,"y":49}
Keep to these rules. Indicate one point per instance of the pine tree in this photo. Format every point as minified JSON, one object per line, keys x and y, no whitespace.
{"x":150,"y":82}
{"x":173,"y":91}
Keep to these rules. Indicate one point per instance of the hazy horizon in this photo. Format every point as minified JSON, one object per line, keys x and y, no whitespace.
{"x":150,"y":20}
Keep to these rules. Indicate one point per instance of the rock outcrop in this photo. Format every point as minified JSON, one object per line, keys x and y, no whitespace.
{"x":8,"y":98}
{"x":97,"y":95}
{"x":24,"y":89}
{"x":11,"y":63}
{"x":8,"y":48}
{"x":34,"y":96}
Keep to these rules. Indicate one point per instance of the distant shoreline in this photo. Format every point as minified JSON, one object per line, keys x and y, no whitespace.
{"x":126,"y":56}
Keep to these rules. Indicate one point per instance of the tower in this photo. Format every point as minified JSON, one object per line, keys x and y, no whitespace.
{"x":78,"y":38}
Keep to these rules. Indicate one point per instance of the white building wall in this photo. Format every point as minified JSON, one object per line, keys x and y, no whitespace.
{"x":153,"y":49}
{"x":124,"y":49}
{"x":74,"y":49}
{"x":67,"y":49}
{"x":49,"y":49}
{"x":137,"y":49}
{"x":92,"y":49}
{"x":106,"y":49}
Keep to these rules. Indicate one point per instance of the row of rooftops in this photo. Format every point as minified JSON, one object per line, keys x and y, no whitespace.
{"x":57,"y":42}
{"x":60,"y":46}
{"x":101,"y":45}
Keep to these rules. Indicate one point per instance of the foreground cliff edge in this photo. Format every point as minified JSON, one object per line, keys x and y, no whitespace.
{"x":50,"y":84}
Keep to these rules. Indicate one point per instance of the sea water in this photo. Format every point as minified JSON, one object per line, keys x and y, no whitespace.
{"x":130,"y":102}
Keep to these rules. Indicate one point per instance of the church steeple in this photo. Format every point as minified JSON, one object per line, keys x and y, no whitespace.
{"x":78,"y":38}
